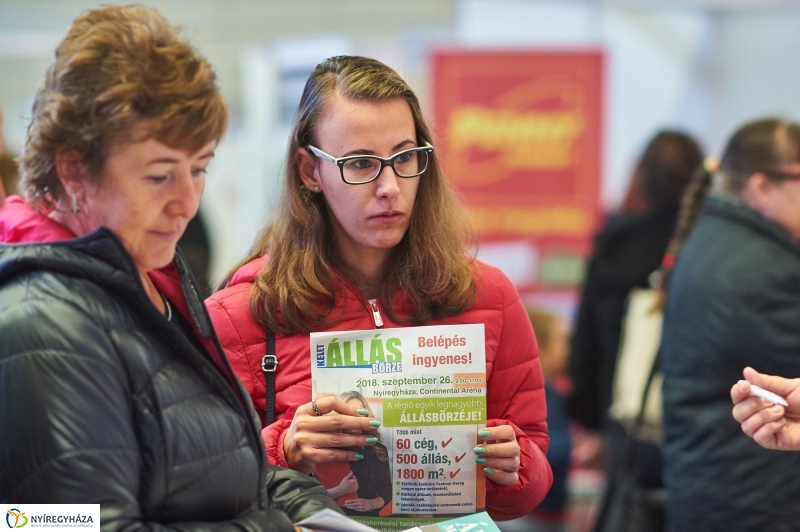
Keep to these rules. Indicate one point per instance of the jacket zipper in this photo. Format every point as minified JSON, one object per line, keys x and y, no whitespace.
{"x":376,"y":315}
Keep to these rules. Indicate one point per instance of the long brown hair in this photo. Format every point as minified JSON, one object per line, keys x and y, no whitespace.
{"x":297,"y":288}
{"x":662,"y":173}
{"x":760,"y":146}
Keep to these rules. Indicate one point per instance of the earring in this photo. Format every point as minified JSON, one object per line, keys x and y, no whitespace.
{"x":316,"y":189}
{"x":74,"y":204}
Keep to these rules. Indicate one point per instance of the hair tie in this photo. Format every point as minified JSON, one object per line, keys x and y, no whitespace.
{"x":711,"y":164}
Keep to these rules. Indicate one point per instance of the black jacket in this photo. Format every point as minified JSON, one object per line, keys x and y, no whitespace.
{"x":626,"y":252}
{"x":102,"y":400}
{"x":734,"y":301}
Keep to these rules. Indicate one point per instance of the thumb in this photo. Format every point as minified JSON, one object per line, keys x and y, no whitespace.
{"x":778,"y":385}
{"x":348,"y":476}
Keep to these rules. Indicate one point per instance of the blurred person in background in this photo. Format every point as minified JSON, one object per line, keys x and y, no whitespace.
{"x":3,"y":170}
{"x":195,"y":245}
{"x":113,"y":388}
{"x":732,"y":301}
{"x":626,"y":251}
{"x":369,"y":236}
{"x":9,"y":174}
{"x":552,"y":337}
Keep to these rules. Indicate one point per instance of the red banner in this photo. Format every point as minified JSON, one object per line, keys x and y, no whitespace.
{"x":519,"y":139}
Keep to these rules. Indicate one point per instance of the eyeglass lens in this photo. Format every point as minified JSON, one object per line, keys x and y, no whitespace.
{"x":406,"y":164}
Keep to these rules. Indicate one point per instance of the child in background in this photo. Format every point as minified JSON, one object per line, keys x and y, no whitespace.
{"x":552,"y":335}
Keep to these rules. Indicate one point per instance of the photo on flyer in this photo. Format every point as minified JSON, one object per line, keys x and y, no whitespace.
{"x":427,"y":386}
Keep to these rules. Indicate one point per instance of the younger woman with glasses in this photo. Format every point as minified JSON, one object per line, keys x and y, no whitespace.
{"x":368,"y":235}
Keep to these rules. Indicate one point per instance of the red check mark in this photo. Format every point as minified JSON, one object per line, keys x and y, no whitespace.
{"x":459,"y":458}
{"x":446,"y":443}
{"x":456,"y":472}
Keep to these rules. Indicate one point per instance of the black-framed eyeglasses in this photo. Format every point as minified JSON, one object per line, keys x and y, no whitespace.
{"x":362,"y":169}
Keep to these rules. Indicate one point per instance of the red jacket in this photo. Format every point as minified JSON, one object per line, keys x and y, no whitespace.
{"x":515,"y":387}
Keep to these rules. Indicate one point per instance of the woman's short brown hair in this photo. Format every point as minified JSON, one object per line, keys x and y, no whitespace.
{"x":118,"y":67}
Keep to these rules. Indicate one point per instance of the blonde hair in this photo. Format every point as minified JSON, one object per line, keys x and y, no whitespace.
{"x":301,"y":278}
{"x":544,"y":325}
{"x":118,"y":67}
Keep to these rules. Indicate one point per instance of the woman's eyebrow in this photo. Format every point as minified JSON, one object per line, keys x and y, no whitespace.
{"x":395,"y":148}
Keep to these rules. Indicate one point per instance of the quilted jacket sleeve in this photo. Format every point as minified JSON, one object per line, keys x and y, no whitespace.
{"x":66,"y":414}
{"x":515,"y":397}
{"x":295,"y":494}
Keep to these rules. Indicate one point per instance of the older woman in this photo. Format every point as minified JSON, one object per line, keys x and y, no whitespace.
{"x":113,"y":388}
{"x":370,"y":236}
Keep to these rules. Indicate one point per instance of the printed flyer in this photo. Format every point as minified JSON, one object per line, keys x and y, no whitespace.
{"x":427,"y":386}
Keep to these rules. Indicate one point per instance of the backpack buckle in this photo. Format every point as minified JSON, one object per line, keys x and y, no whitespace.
{"x":269,"y":364}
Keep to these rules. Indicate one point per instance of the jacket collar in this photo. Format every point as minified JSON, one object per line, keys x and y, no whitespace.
{"x":733,"y":209}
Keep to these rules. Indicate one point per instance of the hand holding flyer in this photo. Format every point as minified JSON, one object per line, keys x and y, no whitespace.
{"x":315,"y":437}
{"x":428,"y":387}
{"x":499,"y":454}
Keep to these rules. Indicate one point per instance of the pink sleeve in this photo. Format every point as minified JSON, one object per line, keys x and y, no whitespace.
{"x":515,"y":397}
{"x":535,"y":478}
{"x":248,"y":370}
{"x":273,"y":436}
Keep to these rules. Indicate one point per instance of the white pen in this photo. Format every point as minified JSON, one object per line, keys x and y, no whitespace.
{"x":768,"y":396}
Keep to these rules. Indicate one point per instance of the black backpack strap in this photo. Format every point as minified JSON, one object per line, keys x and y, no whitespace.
{"x":269,"y":365}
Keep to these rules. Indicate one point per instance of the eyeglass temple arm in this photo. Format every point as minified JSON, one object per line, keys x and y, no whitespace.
{"x":320,"y":153}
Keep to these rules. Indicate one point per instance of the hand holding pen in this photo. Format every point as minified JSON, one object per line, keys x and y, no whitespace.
{"x":768,"y":409}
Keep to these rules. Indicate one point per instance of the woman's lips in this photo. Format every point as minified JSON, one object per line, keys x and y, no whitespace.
{"x":169,"y":236}
{"x":388,"y":217}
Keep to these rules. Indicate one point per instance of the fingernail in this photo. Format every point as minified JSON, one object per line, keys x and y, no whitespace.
{"x":488,"y":471}
{"x":374,"y":423}
{"x":362,"y":411}
{"x":479,"y":450}
{"x":480,"y":460}
{"x":372,"y":439}
{"x":358,"y":456}
{"x":483,"y":433}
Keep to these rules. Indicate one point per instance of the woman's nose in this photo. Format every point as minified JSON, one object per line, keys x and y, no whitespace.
{"x":388,"y":185}
{"x":186,"y":194}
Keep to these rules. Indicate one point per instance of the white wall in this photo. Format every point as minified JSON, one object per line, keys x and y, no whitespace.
{"x":701,"y":65}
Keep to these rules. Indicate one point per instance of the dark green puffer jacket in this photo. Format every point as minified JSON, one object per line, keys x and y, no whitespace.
{"x":102,"y":400}
{"x":734,"y":301}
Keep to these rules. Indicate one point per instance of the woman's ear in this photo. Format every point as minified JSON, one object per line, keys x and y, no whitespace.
{"x":307,"y":168}
{"x":758,"y":193}
{"x":71,"y":171}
